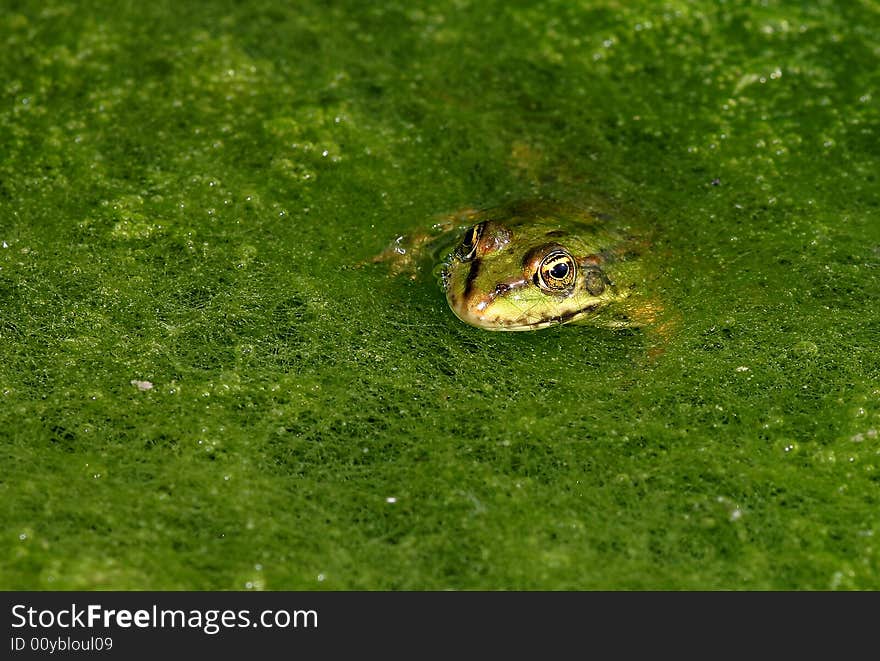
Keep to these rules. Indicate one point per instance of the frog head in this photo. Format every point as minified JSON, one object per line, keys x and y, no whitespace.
{"x":525,"y":273}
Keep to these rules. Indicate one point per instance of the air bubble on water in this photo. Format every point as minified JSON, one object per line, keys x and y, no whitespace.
{"x":22,"y":537}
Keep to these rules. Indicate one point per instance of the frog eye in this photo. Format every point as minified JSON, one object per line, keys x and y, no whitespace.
{"x":467,"y":250}
{"x":557,"y":272}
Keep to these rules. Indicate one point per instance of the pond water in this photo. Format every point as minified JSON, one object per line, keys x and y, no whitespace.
{"x":199,"y":388}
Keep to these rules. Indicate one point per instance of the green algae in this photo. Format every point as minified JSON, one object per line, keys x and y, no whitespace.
{"x":198,"y":389}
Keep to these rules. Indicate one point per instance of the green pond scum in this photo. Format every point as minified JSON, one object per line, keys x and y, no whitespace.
{"x":202,"y":387}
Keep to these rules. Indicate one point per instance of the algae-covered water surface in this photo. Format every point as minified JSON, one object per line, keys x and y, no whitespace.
{"x":202,"y":387}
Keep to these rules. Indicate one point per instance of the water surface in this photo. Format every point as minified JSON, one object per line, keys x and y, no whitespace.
{"x":198,"y":391}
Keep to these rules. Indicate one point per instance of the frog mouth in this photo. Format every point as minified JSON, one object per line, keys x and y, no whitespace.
{"x":499,"y":323}
{"x":555,"y":320}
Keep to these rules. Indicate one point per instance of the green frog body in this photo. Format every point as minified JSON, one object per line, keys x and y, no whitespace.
{"x":534,"y":264}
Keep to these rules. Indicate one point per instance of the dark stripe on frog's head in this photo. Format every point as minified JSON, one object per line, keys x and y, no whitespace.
{"x":471,"y":277}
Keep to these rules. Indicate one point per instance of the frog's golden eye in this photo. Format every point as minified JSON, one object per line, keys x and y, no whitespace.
{"x":557,"y":272}
{"x":467,"y":250}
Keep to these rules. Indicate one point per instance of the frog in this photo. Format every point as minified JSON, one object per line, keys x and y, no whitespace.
{"x":533,"y":264}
